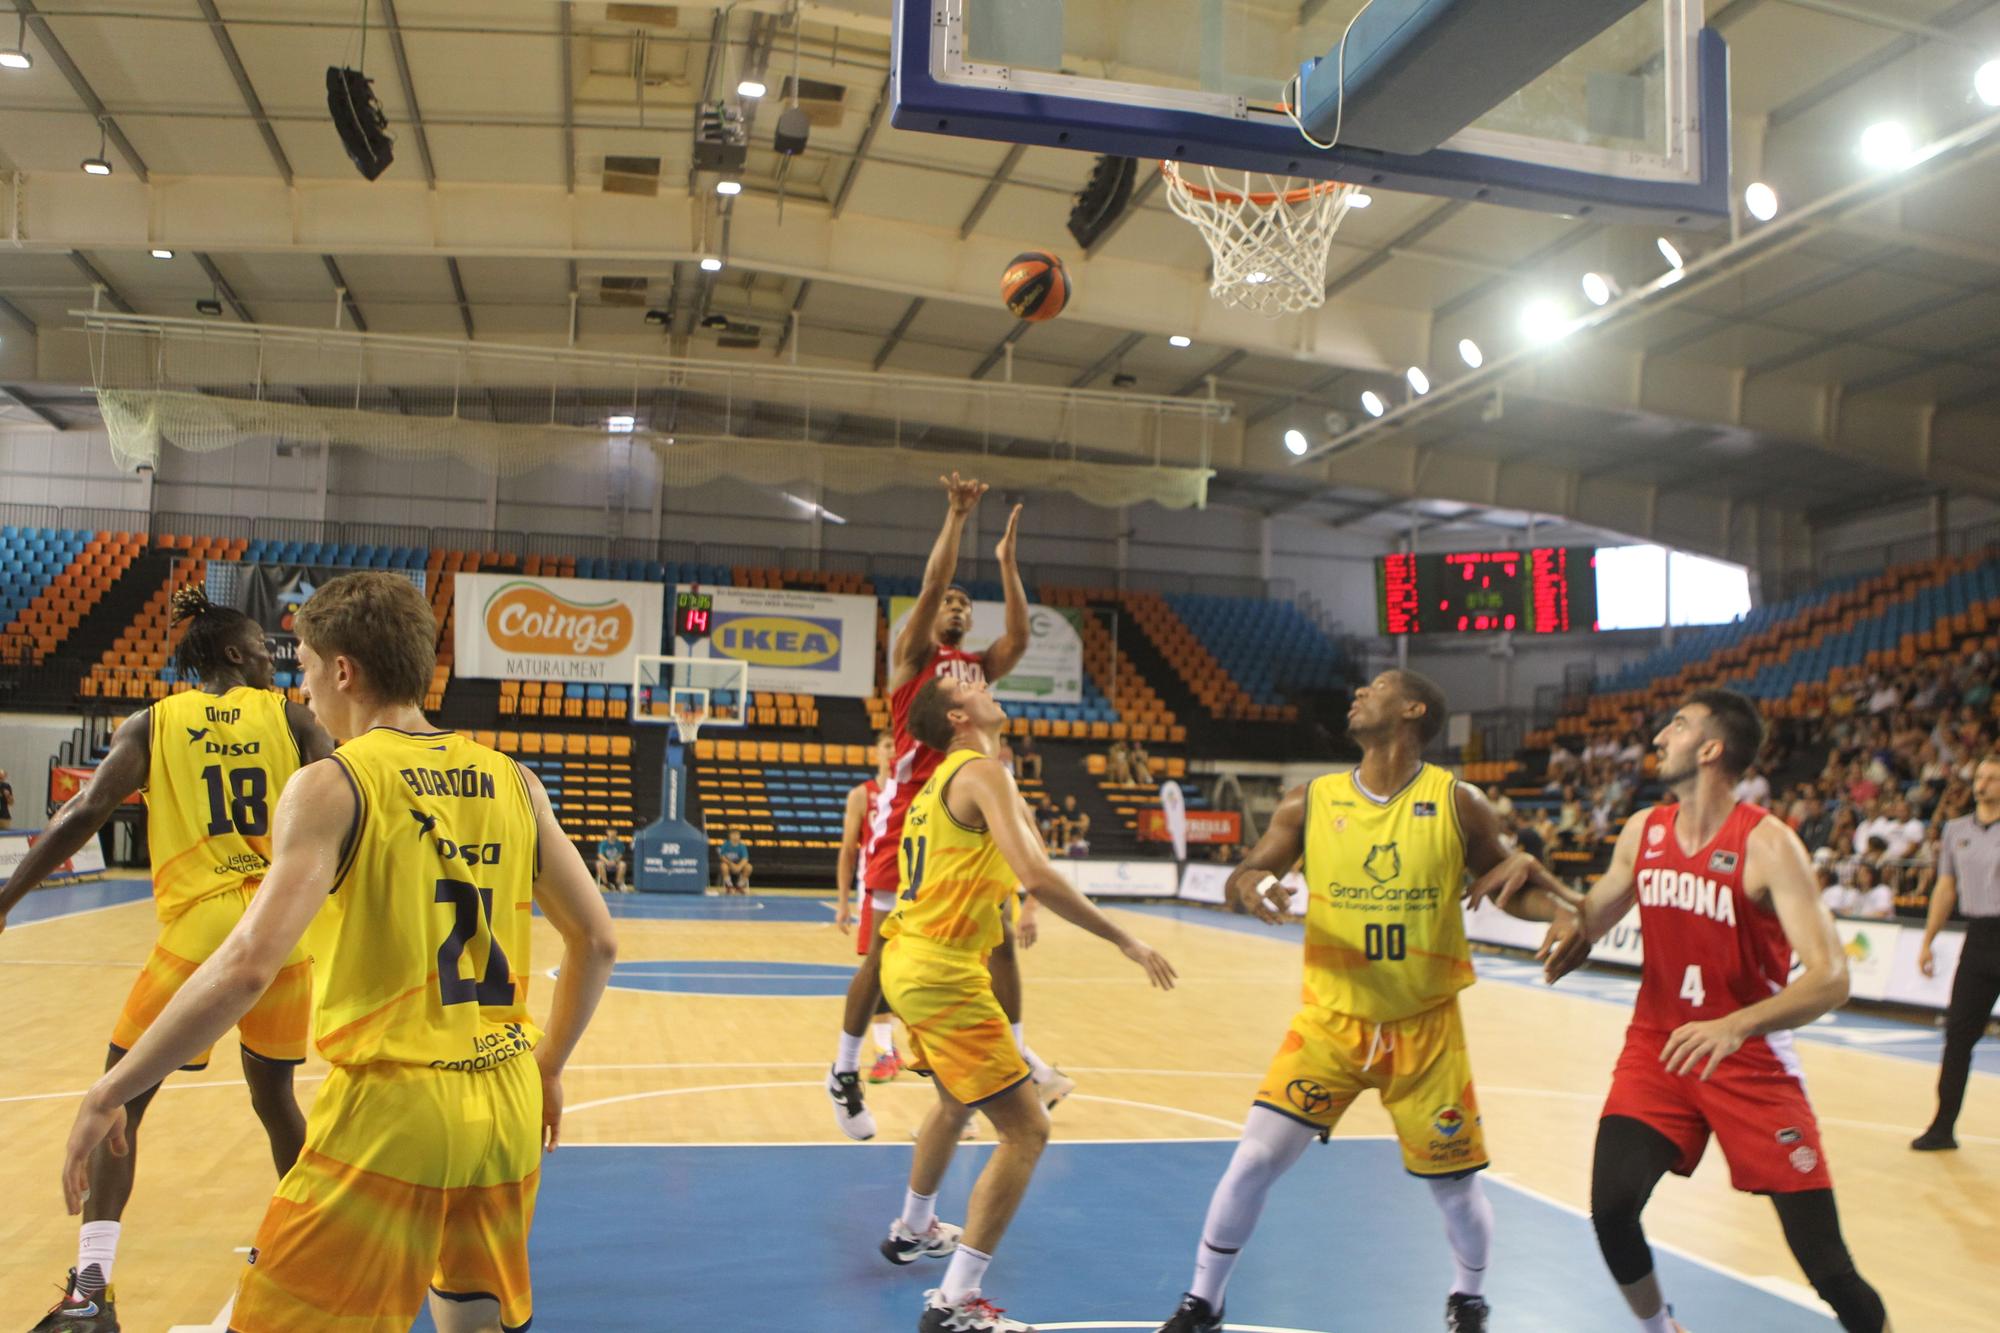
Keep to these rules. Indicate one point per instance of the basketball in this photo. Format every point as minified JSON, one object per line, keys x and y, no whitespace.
{"x":1035,"y":285}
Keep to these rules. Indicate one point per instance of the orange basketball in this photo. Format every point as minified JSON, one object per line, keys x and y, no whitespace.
{"x":1035,"y":285}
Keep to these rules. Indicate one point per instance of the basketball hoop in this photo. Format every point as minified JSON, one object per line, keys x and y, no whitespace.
{"x":1269,"y":245}
{"x":689,"y":710}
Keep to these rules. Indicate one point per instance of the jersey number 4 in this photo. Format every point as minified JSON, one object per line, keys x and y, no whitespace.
{"x":473,"y":918}
{"x":1691,"y":988}
{"x":237,"y":801}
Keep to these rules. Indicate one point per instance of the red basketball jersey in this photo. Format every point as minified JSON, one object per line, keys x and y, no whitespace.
{"x":914,"y":764}
{"x":1709,"y":950}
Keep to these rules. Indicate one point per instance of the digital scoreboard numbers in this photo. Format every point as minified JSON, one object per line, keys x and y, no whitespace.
{"x":1549,"y":590}
{"x":1481,"y":591}
{"x":1563,"y":588}
{"x":1396,"y":596}
{"x":692,"y":613}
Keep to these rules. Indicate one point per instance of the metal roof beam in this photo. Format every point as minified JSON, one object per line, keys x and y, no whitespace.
{"x":1423,"y":227}
{"x":896,"y":334}
{"x":1140,"y":195}
{"x":31,"y":406}
{"x":81,"y":87}
{"x":409,"y":91}
{"x":339,"y":281}
{"x":236,"y":71}
{"x":568,"y":70}
{"x":1109,"y":359}
{"x":18,"y":315}
{"x":992,"y":190}
{"x":98,"y":280}
{"x":861,"y":151}
{"x":223,"y":289}
{"x":458,"y":292}
{"x":1221,"y":366}
{"x":992,"y":358}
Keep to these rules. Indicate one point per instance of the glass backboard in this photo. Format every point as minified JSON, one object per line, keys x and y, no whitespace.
{"x":662,"y":684}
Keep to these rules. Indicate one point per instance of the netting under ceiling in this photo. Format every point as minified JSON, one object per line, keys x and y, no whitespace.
{"x":513,"y":410}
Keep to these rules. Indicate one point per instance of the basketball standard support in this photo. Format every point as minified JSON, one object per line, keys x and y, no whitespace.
{"x":670,"y":855}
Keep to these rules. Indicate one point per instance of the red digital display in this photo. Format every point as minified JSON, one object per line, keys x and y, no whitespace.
{"x":1548,"y":590}
{"x":697,"y":622}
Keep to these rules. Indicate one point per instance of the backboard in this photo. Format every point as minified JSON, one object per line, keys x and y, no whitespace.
{"x":1619,"y":112}
{"x":660,"y":683}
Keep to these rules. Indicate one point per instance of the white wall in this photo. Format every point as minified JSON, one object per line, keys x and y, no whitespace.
{"x":1476,"y":681}
{"x":1905,"y":532}
{"x":40,"y":466}
{"x":27,"y":742}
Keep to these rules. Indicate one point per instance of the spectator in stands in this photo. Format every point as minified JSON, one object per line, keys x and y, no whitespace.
{"x":1074,"y":827}
{"x":735,"y":864}
{"x":1754,"y":787}
{"x":1543,"y":827}
{"x":1869,"y":896}
{"x":1571,"y":823}
{"x":1885,"y":696}
{"x":1815,"y":823}
{"x":1562,"y":762}
{"x":1837,"y":897}
{"x":6,"y":801}
{"x":611,"y":862}
{"x":1046,"y":820}
{"x":1118,"y":764}
{"x":1503,"y":804}
{"x":1603,"y":749}
{"x":1027,"y":759}
{"x":1633,"y":752}
{"x":1896,"y":827}
{"x":1527,"y":836}
{"x":1141,"y":765}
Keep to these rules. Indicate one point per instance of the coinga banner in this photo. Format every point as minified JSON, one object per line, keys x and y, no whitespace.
{"x":271,"y":595}
{"x":584,"y":630}
{"x":1051,"y":672}
{"x":795,"y":642}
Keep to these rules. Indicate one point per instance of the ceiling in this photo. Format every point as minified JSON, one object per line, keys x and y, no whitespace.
{"x":1859,"y":364}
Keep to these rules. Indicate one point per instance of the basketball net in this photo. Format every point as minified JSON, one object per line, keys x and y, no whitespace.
{"x":1269,"y":235}
{"x":688,"y":719}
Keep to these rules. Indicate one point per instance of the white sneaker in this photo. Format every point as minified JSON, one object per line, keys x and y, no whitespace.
{"x":974,"y":1314}
{"x":849,"y":1111}
{"x":1054,"y":1086}
{"x":905,"y":1246}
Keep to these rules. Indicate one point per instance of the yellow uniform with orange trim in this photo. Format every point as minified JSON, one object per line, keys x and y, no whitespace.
{"x":423,"y":1148}
{"x":216,"y":763}
{"x":1386,"y":956}
{"x":955,"y":887}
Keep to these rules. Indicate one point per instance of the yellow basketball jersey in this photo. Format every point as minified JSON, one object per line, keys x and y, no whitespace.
{"x":1385,"y":932}
{"x":420,"y":955}
{"x":217,"y":765}
{"x":955,"y":882}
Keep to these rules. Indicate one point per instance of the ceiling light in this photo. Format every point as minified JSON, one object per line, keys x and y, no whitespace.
{"x":1295,"y":440}
{"x":751,"y":88}
{"x":1598,"y":287}
{"x":1760,"y":201}
{"x":1180,"y":340}
{"x":1372,"y":404}
{"x":1886,"y":145}
{"x":163,"y":254}
{"x":656,"y":316}
{"x":16,"y":56}
{"x":1986,"y":82}
{"x":1668,"y":253}
{"x":1418,"y":380}
{"x":208,"y":305}
{"x":99,"y":165}
{"x":729,"y":187}
{"x":620,"y":425}
{"x":1468,"y":352}
{"x":1544,"y":321}
{"x":1359,"y":199}
{"x":710,"y":264}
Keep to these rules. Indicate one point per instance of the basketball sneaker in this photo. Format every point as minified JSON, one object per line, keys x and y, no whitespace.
{"x":1195,"y":1316}
{"x":974,"y":1314}
{"x":1053,"y":1087}
{"x":1465,"y":1314}
{"x":1932,"y":1140}
{"x":849,"y":1111}
{"x":887,"y":1065}
{"x":905,"y":1246}
{"x":80,"y":1314}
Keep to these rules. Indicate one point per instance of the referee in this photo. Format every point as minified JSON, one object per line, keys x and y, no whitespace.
{"x":1968,"y":876}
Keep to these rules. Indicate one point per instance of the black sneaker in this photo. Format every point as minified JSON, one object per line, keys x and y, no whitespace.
{"x":1465,"y":1314}
{"x":1932,"y":1140}
{"x":849,"y":1111}
{"x":1195,"y":1315}
{"x":80,"y":1314}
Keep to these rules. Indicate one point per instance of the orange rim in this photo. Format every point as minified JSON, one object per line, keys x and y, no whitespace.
{"x":1264,"y":199}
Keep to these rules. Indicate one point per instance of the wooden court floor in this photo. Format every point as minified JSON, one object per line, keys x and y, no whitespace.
{"x":661,"y":1066}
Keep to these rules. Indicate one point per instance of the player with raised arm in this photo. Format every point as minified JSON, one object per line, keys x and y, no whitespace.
{"x":406,"y":863}
{"x":1726,"y":897}
{"x":212,"y":761}
{"x":1386,"y":849}
{"x":930,"y":647}
{"x":857,"y":839}
{"x":967,"y":842}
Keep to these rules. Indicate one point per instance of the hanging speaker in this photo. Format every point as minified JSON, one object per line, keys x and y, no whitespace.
{"x":364,"y":130}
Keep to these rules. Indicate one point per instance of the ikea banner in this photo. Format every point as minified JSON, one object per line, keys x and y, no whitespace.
{"x":1051,"y":672}
{"x":590,"y":631}
{"x":795,"y":642}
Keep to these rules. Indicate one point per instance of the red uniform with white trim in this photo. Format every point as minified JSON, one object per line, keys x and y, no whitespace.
{"x":882,"y":834}
{"x":876,"y":904}
{"x":1710,"y":951}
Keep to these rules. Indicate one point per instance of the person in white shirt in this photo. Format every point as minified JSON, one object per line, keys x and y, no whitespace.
{"x":1838,"y":898}
{"x":1753,"y":787}
{"x":1885,"y":697}
{"x":1869,"y":896}
{"x":1900,"y":831}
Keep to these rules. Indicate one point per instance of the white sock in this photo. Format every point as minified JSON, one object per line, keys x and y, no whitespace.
{"x":1468,"y":1225}
{"x":966,"y":1271}
{"x":1657,"y":1324}
{"x":919,"y":1211}
{"x":849,"y":1059}
{"x":96,"y":1247}
{"x":885,"y":1036}
{"x":1037,"y":1066}
{"x":1271,"y":1143}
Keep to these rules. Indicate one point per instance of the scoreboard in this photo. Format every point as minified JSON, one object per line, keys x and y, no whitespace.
{"x":1546,"y":590}
{"x":692,"y":612}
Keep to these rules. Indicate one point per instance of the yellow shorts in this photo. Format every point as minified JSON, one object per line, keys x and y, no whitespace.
{"x":412,"y":1179}
{"x":958,"y":1034}
{"x":276,"y":1026}
{"x":1420,"y":1066}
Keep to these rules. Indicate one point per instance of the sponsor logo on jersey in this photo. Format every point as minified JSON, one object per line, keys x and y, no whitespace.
{"x":778,"y":641}
{"x":1723,"y":863}
{"x":1308,"y":1096}
{"x":1449,"y":1121}
{"x":1790,"y":1134}
{"x":1657,"y":834}
{"x":1804,"y":1160}
{"x":528,"y":618}
{"x":196,"y":733}
{"x":1423,"y":809}
{"x":1384,"y":862}
{"x":1688,"y":892}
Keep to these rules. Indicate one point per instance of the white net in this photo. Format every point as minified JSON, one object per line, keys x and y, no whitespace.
{"x":1268,"y":235}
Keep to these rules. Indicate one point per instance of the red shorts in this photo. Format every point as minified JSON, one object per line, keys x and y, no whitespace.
{"x":876,"y":904}
{"x":1754,"y":1103}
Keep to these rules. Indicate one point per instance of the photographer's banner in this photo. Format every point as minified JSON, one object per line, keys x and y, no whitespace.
{"x":271,"y":595}
{"x":1051,"y":672}
{"x":584,"y":630}
{"x":795,"y":642}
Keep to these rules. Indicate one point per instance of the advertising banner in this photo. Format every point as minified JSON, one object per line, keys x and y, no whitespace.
{"x":795,"y":642}
{"x":1051,"y":672}
{"x":1121,"y":879}
{"x":510,"y":626}
{"x":271,"y":595}
{"x":1205,"y":827}
{"x":1201,"y":883}
{"x":89,"y":858}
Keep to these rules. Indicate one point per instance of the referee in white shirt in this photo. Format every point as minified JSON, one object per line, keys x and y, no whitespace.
{"x":1969,"y":876}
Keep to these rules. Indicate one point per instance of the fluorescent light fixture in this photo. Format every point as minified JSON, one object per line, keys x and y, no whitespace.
{"x":96,"y":166}
{"x":621,"y":425}
{"x":1598,"y":287}
{"x":1360,"y":199}
{"x":729,"y":187}
{"x":1760,"y":201}
{"x":1180,"y":340}
{"x":1295,"y":441}
{"x":710,"y":264}
{"x":1668,"y":253}
{"x":16,"y":56}
{"x":1418,"y":380}
{"x":162,"y":254}
{"x":1886,"y":145}
{"x":1985,"y":82}
{"x":1544,"y":321}
{"x":812,"y":508}
{"x":751,"y":88}
{"x":1468,"y":352}
{"x":1372,"y":404}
